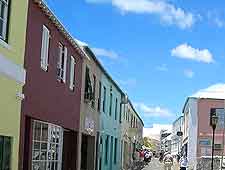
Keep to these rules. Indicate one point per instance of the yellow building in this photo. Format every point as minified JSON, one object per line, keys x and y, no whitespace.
{"x":13,"y":21}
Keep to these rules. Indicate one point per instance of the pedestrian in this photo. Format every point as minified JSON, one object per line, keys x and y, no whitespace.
{"x":183,"y":162}
{"x":168,"y":161}
{"x":142,"y":155}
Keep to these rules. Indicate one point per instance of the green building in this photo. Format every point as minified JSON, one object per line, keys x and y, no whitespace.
{"x":13,"y":21}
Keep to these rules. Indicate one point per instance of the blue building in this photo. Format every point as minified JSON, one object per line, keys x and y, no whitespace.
{"x":109,"y":157}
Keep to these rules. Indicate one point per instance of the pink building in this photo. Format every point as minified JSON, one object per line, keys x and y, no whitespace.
{"x":197,"y":137}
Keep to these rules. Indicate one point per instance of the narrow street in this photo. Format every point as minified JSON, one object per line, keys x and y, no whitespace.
{"x":156,"y":165}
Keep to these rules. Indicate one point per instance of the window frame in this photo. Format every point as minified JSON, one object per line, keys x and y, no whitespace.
{"x":100,"y":95}
{"x":62,"y":63}
{"x":72,"y":72}
{"x":104,"y":98}
{"x":4,"y":155}
{"x":49,"y":142}
{"x":5,"y":20}
{"x":116,"y":108}
{"x":110,"y":104}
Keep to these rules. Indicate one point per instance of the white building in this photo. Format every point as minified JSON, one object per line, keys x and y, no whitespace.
{"x":176,"y":141}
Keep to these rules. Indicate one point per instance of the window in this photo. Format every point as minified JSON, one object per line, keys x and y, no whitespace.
{"x":4,"y":19}
{"x":110,"y":104}
{"x":106,"y":149}
{"x":100,"y":95}
{"x":115,"y":151}
{"x":120,"y":112}
{"x":205,"y":142}
{"x":88,"y":95}
{"x":47,"y":146}
{"x":116,"y":109}
{"x":62,"y":63}
{"x":72,"y":72}
{"x":44,"y":48}
{"x":94,"y":87}
{"x":5,"y":152}
{"x":104,"y":98}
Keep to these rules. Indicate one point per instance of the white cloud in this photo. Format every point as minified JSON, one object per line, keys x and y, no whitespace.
{"x":156,"y":111}
{"x":162,"y":67}
{"x":105,"y":53}
{"x":167,"y":12}
{"x":214,"y":91}
{"x":154,"y":131}
{"x":189,"y":73}
{"x":185,"y":51}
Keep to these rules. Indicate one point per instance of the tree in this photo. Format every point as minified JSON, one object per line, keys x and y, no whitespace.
{"x":147,"y":142}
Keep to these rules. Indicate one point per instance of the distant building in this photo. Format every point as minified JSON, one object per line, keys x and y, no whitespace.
{"x":175,"y":139}
{"x":197,"y":137}
{"x":165,"y":140}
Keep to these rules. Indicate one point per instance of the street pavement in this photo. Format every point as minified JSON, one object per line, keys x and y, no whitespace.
{"x":156,"y":165}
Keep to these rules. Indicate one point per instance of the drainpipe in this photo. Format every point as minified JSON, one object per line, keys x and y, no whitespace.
{"x":221,"y":164}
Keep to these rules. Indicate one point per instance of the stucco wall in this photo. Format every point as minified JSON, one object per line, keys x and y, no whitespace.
{"x":12,"y":76}
{"x":108,"y":124}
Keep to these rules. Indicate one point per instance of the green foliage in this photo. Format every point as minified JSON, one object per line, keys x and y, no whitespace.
{"x":147,"y":142}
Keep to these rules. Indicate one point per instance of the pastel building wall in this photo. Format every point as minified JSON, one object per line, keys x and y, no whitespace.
{"x":12,"y":73}
{"x":110,"y":126}
{"x":197,"y":139}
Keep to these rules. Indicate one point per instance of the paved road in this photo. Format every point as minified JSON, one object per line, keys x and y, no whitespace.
{"x":155,"y":165}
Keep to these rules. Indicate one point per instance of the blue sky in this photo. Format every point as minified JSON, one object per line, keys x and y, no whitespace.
{"x":159,"y":51}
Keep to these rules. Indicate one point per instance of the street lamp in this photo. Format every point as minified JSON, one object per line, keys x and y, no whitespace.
{"x":213,"y":123}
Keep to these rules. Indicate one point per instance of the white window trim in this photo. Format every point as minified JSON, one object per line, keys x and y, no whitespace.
{"x":45,"y":48}
{"x":65,"y":64}
{"x":50,"y":126}
{"x":72,"y":72}
{"x":63,"y":51}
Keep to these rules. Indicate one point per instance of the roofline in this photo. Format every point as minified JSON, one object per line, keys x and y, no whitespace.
{"x":178,"y":119}
{"x":192,"y":97}
{"x":92,"y":55}
{"x":52,"y":17}
{"x":136,"y":112}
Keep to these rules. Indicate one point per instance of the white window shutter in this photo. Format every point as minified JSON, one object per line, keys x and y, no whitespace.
{"x":44,"y":48}
{"x":65,"y":64}
{"x":72,"y":69}
{"x":59,"y":64}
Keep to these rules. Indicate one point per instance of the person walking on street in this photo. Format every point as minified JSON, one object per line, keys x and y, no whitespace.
{"x":168,"y":161}
{"x":183,"y":162}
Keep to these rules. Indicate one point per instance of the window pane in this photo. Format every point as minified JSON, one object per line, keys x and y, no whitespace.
{"x":43,"y":166}
{"x":37,"y":145}
{"x":36,"y":154}
{"x":7,"y":153}
{"x":36,"y":166}
{"x":45,"y":132}
{"x":1,"y":150}
{"x":44,"y":146}
{"x":1,"y":27}
{"x":37,"y":131}
{"x":2,"y":9}
{"x":44,"y":155}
